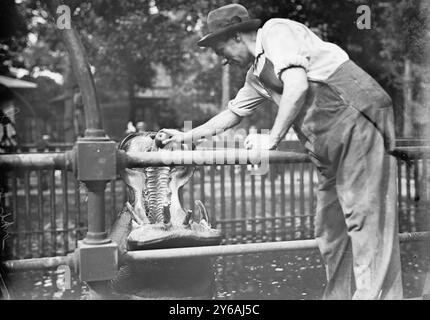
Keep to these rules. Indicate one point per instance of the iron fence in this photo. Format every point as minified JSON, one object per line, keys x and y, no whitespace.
{"x":47,"y":207}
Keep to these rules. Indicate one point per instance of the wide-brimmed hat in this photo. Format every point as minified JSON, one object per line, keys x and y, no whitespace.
{"x":226,"y":20}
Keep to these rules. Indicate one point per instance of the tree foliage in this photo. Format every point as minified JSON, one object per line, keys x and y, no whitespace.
{"x":125,"y":39}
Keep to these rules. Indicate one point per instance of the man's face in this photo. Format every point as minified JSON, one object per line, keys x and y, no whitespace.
{"x":234,"y":51}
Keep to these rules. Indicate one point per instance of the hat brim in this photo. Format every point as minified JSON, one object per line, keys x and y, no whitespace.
{"x":211,"y":38}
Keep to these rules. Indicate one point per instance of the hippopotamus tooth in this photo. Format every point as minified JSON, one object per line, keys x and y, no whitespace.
{"x":187,"y":218}
{"x":203,"y":212}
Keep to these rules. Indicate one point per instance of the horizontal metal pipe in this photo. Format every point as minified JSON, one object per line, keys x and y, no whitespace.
{"x":34,"y":161}
{"x":237,"y":249}
{"x":211,"y":157}
{"x":62,"y":160}
{"x":39,"y":263}
{"x":224,"y":250}
{"x":48,"y":145}
{"x":414,"y":236}
{"x":237,"y":156}
{"x":225,"y":221}
{"x":190,"y":252}
{"x":411,"y":152}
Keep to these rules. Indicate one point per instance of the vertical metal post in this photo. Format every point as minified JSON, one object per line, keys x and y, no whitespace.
{"x":27,"y":212}
{"x":96,"y":213}
{"x":253,"y":206}
{"x":263,"y":205}
{"x":78,"y":212}
{"x":424,"y":197}
{"x":302,"y":201}
{"x":53,"y":214}
{"x":311,"y":200}
{"x":399,"y":192}
{"x":95,"y":164}
{"x":292,"y":201}
{"x":112,"y":202}
{"x":223,"y":213}
{"x":273,"y":173}
{"x":65,"y":211}
{"x":415,"y":213}
{"x":213,"y":210}
{"x":243,"y":201}
{"x":417,"y":193}
{"x":233,"y":202}
{"x":408,"y":195}
{"x":40,"y":211}
{"x":15,"y":212}
{"x":283,"y":220}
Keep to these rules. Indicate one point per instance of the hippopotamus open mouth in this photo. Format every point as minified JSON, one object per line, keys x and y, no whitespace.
{"x":159,"y":221}
{"x":153,"y":218}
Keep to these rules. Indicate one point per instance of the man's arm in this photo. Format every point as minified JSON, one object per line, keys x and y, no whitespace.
{"x":285,"y":47}
{"x":293,"y":96}
{"x":247,"y":100}
{"x":222,"y":121}
{"x":292,"y":99}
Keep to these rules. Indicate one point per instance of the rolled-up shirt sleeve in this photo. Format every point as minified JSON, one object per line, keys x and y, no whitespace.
{"x":247,"y":99}
{"x":283,"y":46}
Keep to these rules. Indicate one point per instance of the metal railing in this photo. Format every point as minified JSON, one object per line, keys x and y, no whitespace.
{"x":48,"y":206}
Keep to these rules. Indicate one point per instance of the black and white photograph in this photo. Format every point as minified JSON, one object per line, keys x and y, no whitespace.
{"x":225,"y":152}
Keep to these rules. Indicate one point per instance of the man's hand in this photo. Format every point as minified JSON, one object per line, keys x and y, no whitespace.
{"x":171,"y":135}
{"x":259,"y":141}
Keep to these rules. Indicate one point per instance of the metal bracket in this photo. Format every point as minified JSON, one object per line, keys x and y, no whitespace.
{"x":96,"y":159}
{"x":97,"y":262}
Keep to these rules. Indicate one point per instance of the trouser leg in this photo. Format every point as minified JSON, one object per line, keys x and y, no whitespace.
{"x":333,"y":242}
{"x":366,"y":183}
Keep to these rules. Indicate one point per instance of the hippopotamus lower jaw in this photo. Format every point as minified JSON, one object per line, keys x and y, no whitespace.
{"x":195,"y":230}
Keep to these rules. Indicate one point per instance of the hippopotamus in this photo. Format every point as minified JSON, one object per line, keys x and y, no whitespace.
{"x":154,"y":218}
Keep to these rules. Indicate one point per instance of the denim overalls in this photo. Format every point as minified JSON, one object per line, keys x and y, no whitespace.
{"x":347,"y":128}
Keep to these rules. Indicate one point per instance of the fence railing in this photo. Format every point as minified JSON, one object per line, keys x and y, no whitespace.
{"x":44,"y":147}
{"x":48,"y":207}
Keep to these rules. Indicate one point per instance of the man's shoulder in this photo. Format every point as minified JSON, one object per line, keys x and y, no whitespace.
{"x":278,"y":21}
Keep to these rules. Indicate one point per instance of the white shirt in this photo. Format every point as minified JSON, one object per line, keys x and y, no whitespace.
{"x":287,"y":44}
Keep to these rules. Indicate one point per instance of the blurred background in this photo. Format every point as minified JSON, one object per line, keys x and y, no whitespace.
{"x":148,"y":68}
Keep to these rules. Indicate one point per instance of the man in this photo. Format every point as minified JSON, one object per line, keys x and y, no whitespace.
{"x":343,"y":118}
